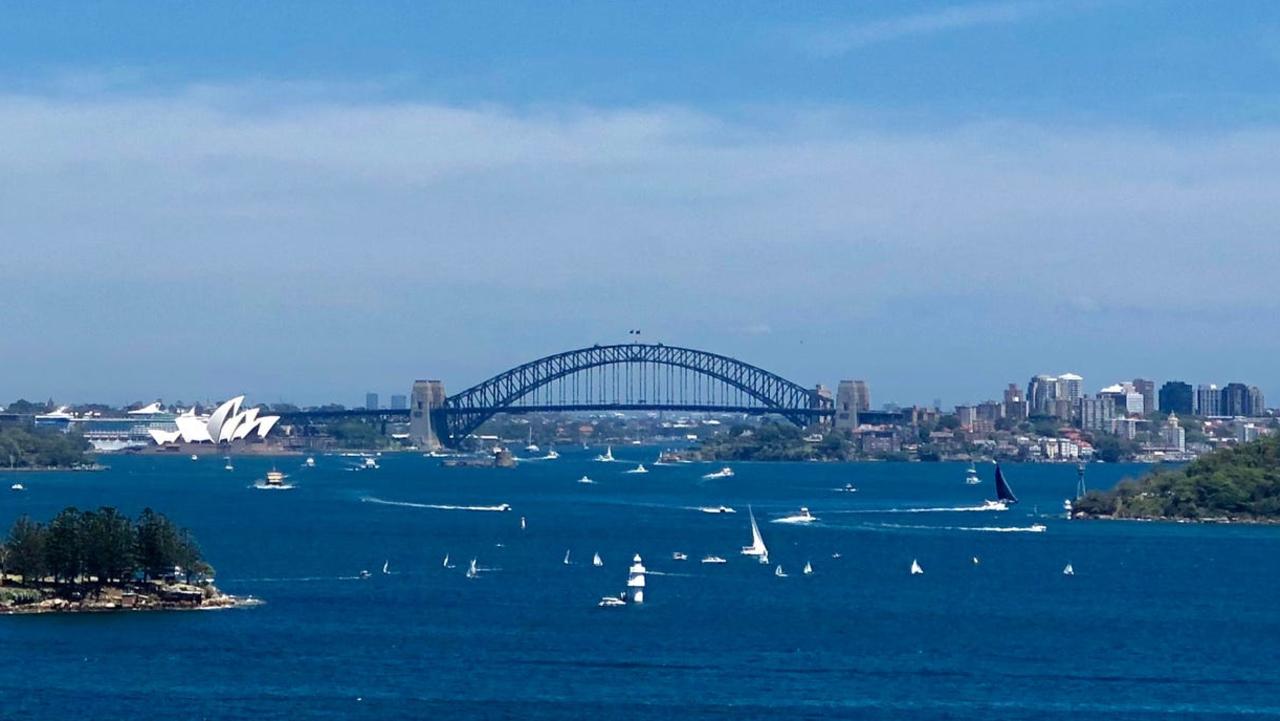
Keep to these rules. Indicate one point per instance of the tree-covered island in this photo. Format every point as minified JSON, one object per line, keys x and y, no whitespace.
{"x":102,"y":560}
{"x":1236,"y":484}
{"x":30,"y":449}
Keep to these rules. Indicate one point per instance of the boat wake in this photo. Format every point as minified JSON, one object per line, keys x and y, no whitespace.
{"x":435,"y":506}
{"x":274,"y":487}
{"x":1035,"y":528}
{"x":949,"y":509}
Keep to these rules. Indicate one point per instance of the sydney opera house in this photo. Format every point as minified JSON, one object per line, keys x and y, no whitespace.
{"x":226,"y":424}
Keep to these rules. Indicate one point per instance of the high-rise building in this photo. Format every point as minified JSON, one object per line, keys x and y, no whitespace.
{"x":399,"y":402}
{"x":1208,"y":400}
{"x":968,"y":416}
{"x":1177,"y":397}
{"x":1015,"y":404}
{"x":1173,"y":435}
{"x":1257,"y":404}
{"x":1041,"y":391}
{"x":990,"y":411}
{"x":1235,"y":399}
{"x":1150,"y":403}
{"x":371,"y":401}
{"x":846,"y":405}
{"x":1096,"y":414}
{"x":1070,"y":388}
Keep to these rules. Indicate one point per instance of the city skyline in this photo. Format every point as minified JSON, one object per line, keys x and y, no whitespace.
{"x":826,"y":193}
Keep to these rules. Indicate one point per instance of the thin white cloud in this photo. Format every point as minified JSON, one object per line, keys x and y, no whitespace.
{"x":843,"y":39}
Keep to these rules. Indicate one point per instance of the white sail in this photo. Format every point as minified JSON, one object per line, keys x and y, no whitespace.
{"x":472,"y":571}
{"x":757,"y":547}
{"x":779,"y":572}
{"x":1069,"y":571}
{"x":808,"y":569}
{"x":916,"y":570}
{"x":446,"y":561}
{"x":522,"y":523}
{"x":566,"y":558}
{"x":595,"y":561}
{"x":386,"y":566}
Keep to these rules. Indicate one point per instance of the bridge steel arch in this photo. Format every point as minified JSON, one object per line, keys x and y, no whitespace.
{"x":768,"y":393}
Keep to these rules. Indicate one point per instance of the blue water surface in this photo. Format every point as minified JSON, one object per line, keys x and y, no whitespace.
{"x":1160,"y":620}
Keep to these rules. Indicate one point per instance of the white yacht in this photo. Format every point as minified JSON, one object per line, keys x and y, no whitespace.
{"x":194,"y":457}
{"x":802,"y":517}
{"x":848,"y":488}
{"x":716,"y":509}
{"x":551,"y":454}
{"x":17,"y":487}
{"x":369,"y":464}
{"x":585,"y":479}
{"x":713,"y":559}
{"x":596,"y":561}
{"x":971,"y":476}
{"x":808,"y":569}
{"x":757,"y":547}
{"x":1069,"y":570}
{"x":607,"y":456}
{"x":639,"y":469}
{"x":613,"y":601}
{"x":725,"y":472}
{"x":916,"y":570}
{"x":678,"y":556}
{"x":310,"y":462}
{"x":779,"y":572}
{"x":990,"y":505}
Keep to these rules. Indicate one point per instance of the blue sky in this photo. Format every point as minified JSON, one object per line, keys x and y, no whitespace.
{"x":304,"y":201}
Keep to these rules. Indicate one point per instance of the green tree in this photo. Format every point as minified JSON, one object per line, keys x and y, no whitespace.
{"x":110,"y":544}
{"x":64,"y":545}
{"x":25,"y":548}
{"x":159,"y":544}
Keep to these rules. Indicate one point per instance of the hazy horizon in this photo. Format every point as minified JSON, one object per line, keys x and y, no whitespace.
{"x":304,"y":203}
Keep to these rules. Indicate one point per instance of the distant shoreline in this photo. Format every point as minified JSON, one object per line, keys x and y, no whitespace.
{"x":1217,"y":520}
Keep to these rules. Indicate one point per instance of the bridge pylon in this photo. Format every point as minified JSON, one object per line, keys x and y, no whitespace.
{"x":426,"y":401}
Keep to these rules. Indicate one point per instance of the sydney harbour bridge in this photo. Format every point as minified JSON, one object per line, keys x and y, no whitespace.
{"x":622,"y":377}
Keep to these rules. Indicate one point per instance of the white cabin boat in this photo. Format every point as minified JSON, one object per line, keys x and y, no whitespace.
{"x":725,"y":472}
{"x":713,"y":559}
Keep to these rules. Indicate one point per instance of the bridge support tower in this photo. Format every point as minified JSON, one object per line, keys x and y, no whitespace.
{"x":426,"y":400}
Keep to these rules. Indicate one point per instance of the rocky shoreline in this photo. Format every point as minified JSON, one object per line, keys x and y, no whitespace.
{"x":81,"y":598}
{"x":1221,"y":520}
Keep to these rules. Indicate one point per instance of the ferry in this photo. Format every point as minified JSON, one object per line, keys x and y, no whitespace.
{"x":275,"y":478}
{"x":717,"y":509}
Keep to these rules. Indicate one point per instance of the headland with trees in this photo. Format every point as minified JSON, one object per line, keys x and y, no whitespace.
{"x":103,"y":560}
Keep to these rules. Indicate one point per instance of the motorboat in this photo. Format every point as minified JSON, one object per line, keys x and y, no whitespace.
{"x":971,"y":476}
{"x":639,"y":469}
{"x":585,"y":479}
{"x":716,"y":509}
{"x":607,"y":456}
{"x":916,"y":570}
{"x":725,"y":472}
{"x":194,"y":457}
{"x":678,"y":556}
{"x":502,"y":507}
{"x":369,"y":464}
{"x":17,"y":487}
{"x":836,"y":555}
{"x":228,"y":466}
{"x":364,"y":575}
{"x":713,"y":559}
{"x":802,"y":517}
{"x":551,"y":454}
{"x":990,"y":505}
{"x":848,"y":488}
{"x":613,"y":601}
{"x":310,"y":462}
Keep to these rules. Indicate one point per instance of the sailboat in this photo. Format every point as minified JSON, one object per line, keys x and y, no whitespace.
{"x":386,"y":567}
{"x":522,"y":524}
{"x":607,"y":456}
{"x":446,"y":563}
{"x":779,"y":572}
{"x":1069,"y":570}
{"x":808,"y":569}
{"x":639,"y":469}
{"x":1004,"y":494}
{"x":595,"y":561}
{"x":566,"y":558}
{"x":971,"y":476}
{"x":757,"y":547}
{"x":916,"y":570}
{"x":532,"y":447}
{"x":472,"y":571}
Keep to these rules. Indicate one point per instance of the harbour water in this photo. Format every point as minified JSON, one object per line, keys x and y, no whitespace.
{"x":1159,"y":620}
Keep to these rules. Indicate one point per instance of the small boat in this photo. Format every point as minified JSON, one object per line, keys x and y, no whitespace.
{"x":17,"y":487}
{"x":990,"y":505}
{"x":310,"y":462}
{"x":585,"y":479}
{"x":639,"y":469}
{"x":228,"y":467}
{"x":369,"y":464}
{"x":551,"y":455}
{"x":716,"y":509}
{"x":678,"y":556}
{"x":566,"y":558}
{"x":472,"y":571}
{"x":364,"y":574}
{"x":975,"y":560}
{"x":836,"y":554}
{"x":802,"y":517}
{"x":1037,"y":528}
{"x":725,"y":472}
{"x":194,"y":457}
{"x":808,"y":569}
{"x":757,"y":547}
{"x":613,"y":601}
{"x":916,"y":570}
{"x":1004,"y":494}
{"x":971,"y":476}
{"x":779,"y":572}
{"x":607,"y":456}
{"x":596,"y":561}
{"x":532,"y":447}
{"x":848,"y":488}
{"x":386,"y":567}
{"x":1069,"y":570}
{"x":713,"y":559}
{"x":522,"y":523}
{"x":1067,"y":507}
{"x":446,"y":563}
